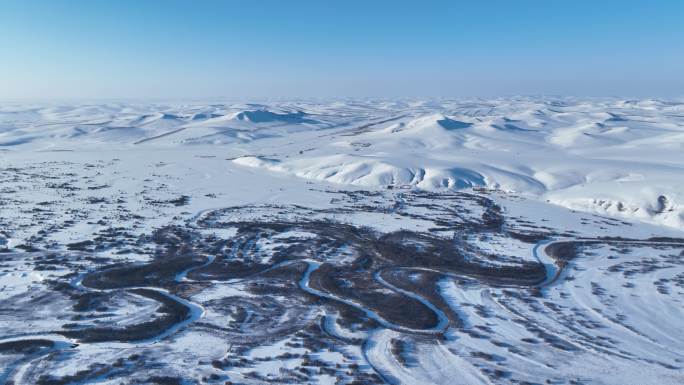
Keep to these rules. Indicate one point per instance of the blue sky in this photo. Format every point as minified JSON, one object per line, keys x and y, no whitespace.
{"x":244,"y":49}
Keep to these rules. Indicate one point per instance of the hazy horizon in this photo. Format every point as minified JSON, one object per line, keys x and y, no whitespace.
{"x":341,"y":192}
{"x":231,"y":50}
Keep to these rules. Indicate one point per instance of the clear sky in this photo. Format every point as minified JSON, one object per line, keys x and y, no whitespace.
{"x":326,"y":48}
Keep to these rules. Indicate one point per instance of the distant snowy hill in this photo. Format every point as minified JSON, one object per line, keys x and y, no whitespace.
{"x":623,"y":158}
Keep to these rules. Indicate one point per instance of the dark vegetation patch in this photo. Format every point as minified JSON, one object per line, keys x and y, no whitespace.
{"x":28,"y":346}
{"x":172,"y":312}
{"x":268,"y":261}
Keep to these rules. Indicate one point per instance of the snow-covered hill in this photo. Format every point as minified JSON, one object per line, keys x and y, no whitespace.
{"x":623,"y":158}
{"x":326,"y":243}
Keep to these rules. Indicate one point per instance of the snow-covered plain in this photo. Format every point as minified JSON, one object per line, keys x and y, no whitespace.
{"x":443,"y":241}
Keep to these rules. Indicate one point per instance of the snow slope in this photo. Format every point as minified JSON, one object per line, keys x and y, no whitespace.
{"x":610,"y":156}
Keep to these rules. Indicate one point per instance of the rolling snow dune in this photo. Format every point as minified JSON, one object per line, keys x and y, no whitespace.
{"x":617,"y":157}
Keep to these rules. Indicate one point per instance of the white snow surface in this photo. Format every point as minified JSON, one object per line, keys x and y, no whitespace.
{"x":623,"y":158}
